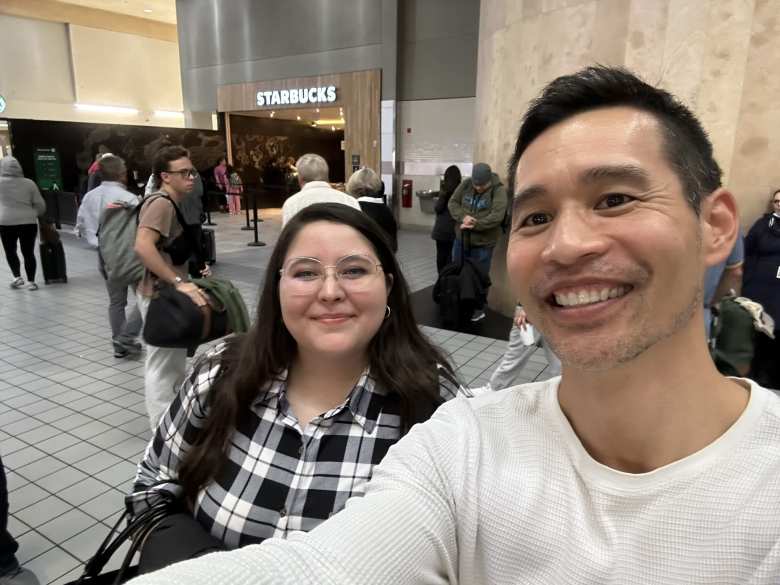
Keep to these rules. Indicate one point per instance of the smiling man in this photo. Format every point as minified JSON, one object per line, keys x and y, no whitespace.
{"x":641,"y":464}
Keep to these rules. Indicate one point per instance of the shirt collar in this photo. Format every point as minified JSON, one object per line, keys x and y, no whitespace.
{"x":362,"y":400}
{"x":367,"y":199}
{"x":315,"y":185}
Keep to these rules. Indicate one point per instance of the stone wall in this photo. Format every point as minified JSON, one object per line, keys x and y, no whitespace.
{"x":721,"y":57}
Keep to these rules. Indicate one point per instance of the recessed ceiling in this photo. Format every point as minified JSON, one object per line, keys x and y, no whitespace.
{"x":161,"y":10}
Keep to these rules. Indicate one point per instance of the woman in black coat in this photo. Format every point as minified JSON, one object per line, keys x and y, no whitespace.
{"x":444,"y":226}
{"x":369,"y":190}
{"x":761,"y":283}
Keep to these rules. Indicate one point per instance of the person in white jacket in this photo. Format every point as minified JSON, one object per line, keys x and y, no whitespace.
{"x":313,"y":179}
{"x":642,"y":463}
{"x":21,"y":204}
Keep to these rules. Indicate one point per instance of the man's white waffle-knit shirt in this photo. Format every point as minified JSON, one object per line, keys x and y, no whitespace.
{"x":499,"y":490}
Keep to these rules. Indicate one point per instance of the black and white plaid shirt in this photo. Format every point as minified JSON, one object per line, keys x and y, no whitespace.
{"x":278,"y":478}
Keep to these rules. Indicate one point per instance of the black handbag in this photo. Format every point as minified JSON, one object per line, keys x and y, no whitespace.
{"x":136,"y":531}
{"x":174,"y":320}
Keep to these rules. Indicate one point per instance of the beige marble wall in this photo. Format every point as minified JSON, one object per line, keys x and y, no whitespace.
{"x":721,"y":57}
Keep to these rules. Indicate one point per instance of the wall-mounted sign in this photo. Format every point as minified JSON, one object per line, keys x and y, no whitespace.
{"x":289,"y":97}
{"x":47,"y":168}
{"x":2,"y":104}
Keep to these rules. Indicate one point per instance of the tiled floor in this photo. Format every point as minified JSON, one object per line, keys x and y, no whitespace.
{"x":72,"y":417}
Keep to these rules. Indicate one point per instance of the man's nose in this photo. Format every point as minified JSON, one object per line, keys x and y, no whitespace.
{"x":573,"y":235}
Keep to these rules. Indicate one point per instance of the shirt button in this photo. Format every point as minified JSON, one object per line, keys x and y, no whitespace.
{"x":283,"y":512}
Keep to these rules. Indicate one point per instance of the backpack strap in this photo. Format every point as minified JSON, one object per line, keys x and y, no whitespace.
{"x":160,"y":195}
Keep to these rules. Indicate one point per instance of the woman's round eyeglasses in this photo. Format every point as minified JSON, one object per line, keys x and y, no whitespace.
{"x":304,"y":275}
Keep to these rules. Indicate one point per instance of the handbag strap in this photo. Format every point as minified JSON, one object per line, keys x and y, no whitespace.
{"x":136,"y":531}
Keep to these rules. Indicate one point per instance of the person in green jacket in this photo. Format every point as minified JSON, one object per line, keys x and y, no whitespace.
{"x":478,"y":207}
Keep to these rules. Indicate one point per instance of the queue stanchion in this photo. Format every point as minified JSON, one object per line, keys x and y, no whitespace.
{"x":210,"y":198}
{"x":256,"y":242}
{"x":245,"y":199}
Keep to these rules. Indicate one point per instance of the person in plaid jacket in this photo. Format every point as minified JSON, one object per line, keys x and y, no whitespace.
{"x":274,"y":431}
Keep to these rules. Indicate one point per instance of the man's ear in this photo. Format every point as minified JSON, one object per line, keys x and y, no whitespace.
{"x":719,"y":222}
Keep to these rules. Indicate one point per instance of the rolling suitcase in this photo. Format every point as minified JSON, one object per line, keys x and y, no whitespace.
{"x":53,"y":262}
{"x":461,"y":287}
{"x":209,"y":244}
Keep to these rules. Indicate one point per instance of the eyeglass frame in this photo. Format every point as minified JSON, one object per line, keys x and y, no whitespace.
{"x":324,"y":275}
{"x":191,"y":173}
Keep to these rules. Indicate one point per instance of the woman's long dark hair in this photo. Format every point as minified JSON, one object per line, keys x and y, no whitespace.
{"x":452,"y":179}
{"x":401,"y":359}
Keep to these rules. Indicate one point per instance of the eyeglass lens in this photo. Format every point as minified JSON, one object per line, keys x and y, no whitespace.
{"x":306,"y":274}
{"x":184,"y":173}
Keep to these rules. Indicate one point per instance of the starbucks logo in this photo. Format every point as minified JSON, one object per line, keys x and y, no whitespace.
{"x":2,"y":104}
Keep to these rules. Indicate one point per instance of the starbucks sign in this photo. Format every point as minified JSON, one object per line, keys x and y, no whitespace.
{"x":2,"y":104}
{"x":288,"y":97}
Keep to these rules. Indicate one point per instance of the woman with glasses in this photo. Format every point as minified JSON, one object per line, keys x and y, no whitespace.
{"x":273,"y":432}
{"x":761,"y":283}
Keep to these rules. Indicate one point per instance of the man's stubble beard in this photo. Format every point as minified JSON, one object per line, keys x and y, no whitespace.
{"x":605,"y":353}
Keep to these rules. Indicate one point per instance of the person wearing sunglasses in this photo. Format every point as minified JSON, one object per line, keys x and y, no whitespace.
{"x":274,"y":431}
{"x":164,"y":246}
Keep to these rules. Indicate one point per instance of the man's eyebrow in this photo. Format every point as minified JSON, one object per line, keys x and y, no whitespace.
{"x":525,"y":195}
{"x":626,"y":172}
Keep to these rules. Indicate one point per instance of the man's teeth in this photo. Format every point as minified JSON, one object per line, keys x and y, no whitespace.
{"x":589,"y":296}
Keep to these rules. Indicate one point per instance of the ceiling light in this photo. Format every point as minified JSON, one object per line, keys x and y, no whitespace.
{"x":317,"y":110}
{"x":168,"y":114}
{"x":329,"y":122}
{"x":297,"y":117}
{"x":147,"y":10}
{"x":272,"y":114}
{"x":106,"y":109}
{"x":333,"y":128}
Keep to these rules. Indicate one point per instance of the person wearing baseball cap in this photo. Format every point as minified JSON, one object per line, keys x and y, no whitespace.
{"x":478,"y":205}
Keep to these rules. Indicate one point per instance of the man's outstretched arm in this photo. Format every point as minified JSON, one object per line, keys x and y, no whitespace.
{"x":402,"y":531}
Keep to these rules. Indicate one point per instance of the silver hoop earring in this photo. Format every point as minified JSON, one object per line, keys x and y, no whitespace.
{"x":387,"y":311}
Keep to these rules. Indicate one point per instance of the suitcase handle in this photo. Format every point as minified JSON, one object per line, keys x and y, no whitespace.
{"x":465,"y":241}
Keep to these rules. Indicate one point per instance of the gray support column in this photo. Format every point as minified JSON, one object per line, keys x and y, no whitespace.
{"x":389,"y":131}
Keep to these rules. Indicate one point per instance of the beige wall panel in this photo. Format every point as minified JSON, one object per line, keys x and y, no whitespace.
{"x":686,"y":40}
{"x":35,"y":61}
{"x":754,"y":167}
{"x":55,"y":11}
{"x":723,"y":72}
{"x":646,"y":38}
{"x":610,"y":32}
{"x":112,"y":68}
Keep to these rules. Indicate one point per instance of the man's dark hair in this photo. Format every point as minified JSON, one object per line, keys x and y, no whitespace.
{"x":163,"y":159}
{"x":686,"y":145}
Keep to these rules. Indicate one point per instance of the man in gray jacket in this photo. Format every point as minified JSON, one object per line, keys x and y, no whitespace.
{"x":478,"y":207}
{"x":20,"y":206}
{"x":113,"y":172}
